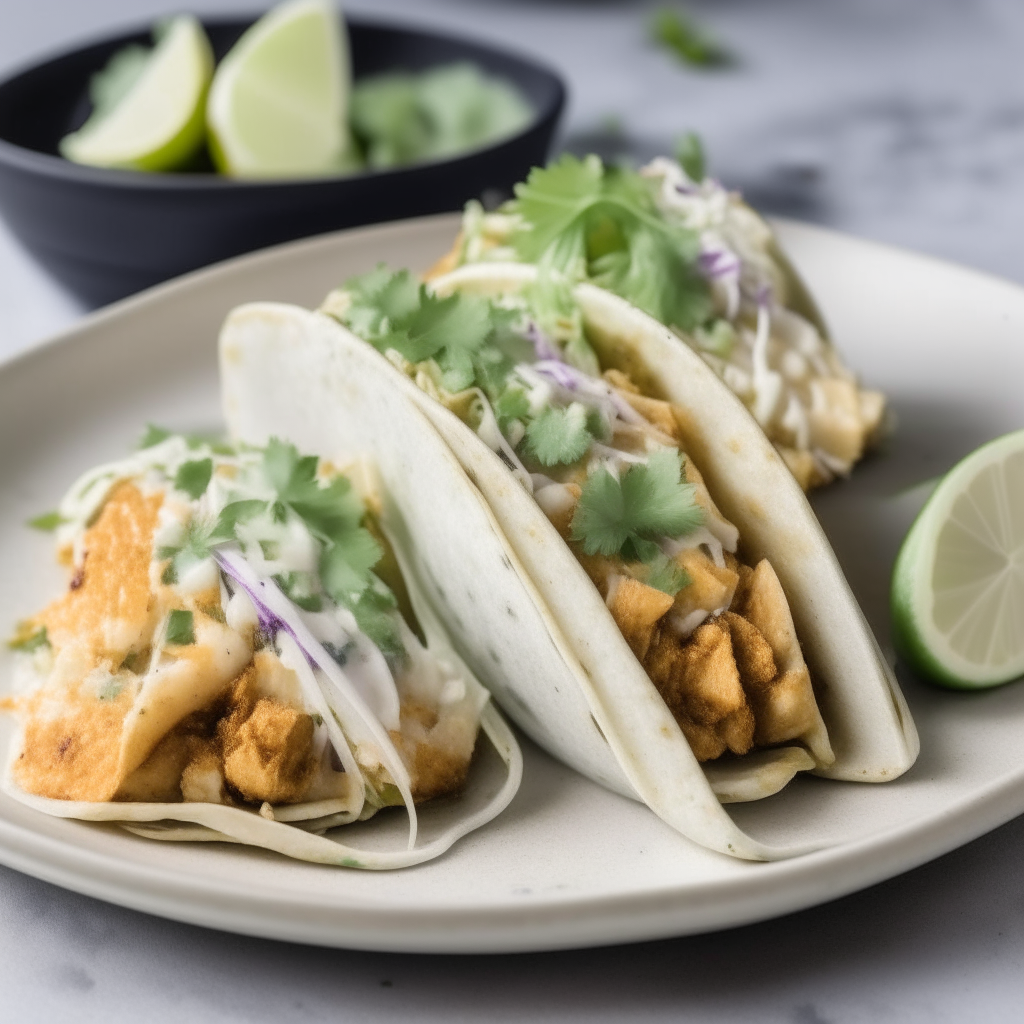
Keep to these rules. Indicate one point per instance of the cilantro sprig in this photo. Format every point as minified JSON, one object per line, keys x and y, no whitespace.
{"x":202,"y":536}
{"x":559,"y":436}
{"x":27,"y":639}
{"x":47,"y":522}
{"x":464,"y":334}
{"x":587,"y":220}
{"x":332,"y":512}
{"x":678,"y":33}
{"x":180,"y":628}
{"x":626,"y":515}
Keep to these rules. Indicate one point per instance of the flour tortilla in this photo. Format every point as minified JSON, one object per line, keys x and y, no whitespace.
{"x":305,"y":831}
{"x":525,"y":615}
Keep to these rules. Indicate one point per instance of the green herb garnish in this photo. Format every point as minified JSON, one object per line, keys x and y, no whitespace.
{"x":333,"y":514}
{"x":511,"y":405}
{"x":201,"y":538}
{"x":690,"y":154}
{"x":48,"y":522}
{"x":404,"y":117}
{"x":194,"y":477}
{"x":180,"y":630}
{"x":678,"y":33}
{"x":301,"y":589}
{"x":559,"y":436}
{"x":626,"y":516}
{"x":465,"y":335}
{"x":590,"y":221}
{"x":665,"y":574}
{"x":28,"y":640}
{"x":111,"y":688}
{"x":374,"y":611}
{"x":153,"y":436}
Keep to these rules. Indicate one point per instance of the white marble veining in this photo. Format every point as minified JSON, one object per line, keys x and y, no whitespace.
{"x":902,"y":121}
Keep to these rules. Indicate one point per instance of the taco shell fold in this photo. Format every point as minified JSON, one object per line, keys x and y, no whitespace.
{"x":521,"y":608}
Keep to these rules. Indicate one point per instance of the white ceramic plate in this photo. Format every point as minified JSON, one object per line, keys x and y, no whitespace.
{"x":568,"y":864}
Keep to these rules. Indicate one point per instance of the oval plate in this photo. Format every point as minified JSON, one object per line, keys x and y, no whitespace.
{"x":568,"y":864}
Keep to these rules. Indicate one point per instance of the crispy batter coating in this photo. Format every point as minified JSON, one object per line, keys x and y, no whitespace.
{"x":108,"y":606}
{"x":437,"y":748}
{"x":785,"y":708}
{"x":637,"y":609}
{"x":270,"y":756}
{"x":754,"y":657}
{"x":711,"y":586}
{"x":70,"y":748}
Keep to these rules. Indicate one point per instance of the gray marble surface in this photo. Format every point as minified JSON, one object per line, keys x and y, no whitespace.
{"x":902,"y":120}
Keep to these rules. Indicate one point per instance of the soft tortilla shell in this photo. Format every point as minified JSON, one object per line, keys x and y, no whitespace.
{"x":870,"y":727}
{"x":545,"y":643}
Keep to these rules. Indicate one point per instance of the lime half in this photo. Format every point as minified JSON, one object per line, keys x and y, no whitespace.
{"x":958,"y":584}
{"x":278,"y":105}
{"x":157,"y":124}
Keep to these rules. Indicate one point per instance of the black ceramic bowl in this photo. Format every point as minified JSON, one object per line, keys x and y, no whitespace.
{"x":105,"y":234}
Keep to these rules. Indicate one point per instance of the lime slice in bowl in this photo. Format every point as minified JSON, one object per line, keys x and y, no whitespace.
{"x":157,"y":121}
{"x":957,"y":594}
{"x":278,"y":105}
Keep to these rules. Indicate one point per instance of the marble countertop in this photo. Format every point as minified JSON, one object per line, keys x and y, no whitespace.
{"x":901,"y":122}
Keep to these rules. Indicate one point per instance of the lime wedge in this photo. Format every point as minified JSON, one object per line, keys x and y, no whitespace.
{"x":278,"y":105}
{"x":157,"y":122}
{"x":958,"y":585}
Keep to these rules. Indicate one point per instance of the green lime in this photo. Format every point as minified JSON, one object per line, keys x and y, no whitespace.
{"x":278,"y":105}
{"x":957,"y":595}
{"x":149,"y":105}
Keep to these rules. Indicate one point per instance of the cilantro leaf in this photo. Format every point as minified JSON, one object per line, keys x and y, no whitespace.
{"x":231,"y":515}
{"x":333,"y":514}
{"x":512,"y":404}
{"x":153,"y":436}
{"x":378,"y":298}
{"x":552,"y":201}
{"x":664,"y":574}
{"x":301,"y":589}
{"x":375,"y":614}
{"x":559,"y":436}
{"x":656,"y":272}
{"x":28,"y":640}
{"x":467,"y":336}
{"x":678,"y":33}
{"x":194,"y":477}
{"x":450,"y":330}
{"x":180,"y":628}
{"x":589,"y":221}
{"x":201,"y":537}
{"x":47,"y":522}
{"x":690,"y":154}
{"x":625,"y":516}
{"x":345,"y":566}
{"x":330,"y":511}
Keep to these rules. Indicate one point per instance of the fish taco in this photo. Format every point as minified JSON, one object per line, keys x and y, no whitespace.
{"x":678,"y":245}
{"x":614,"y":543}
{"x":244,"y":654}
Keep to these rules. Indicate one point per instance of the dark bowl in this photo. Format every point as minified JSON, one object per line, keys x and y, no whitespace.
{"x":106,"y":233}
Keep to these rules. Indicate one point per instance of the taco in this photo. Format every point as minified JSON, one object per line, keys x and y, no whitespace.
{"x":243,"y":654}
{"x":614,"y":544}
{"x":701,"y":261}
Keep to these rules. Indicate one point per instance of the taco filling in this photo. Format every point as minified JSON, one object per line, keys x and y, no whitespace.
{"x":606,"y":464}
{"x":236,"y":631}
{"x":693,"y":255}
